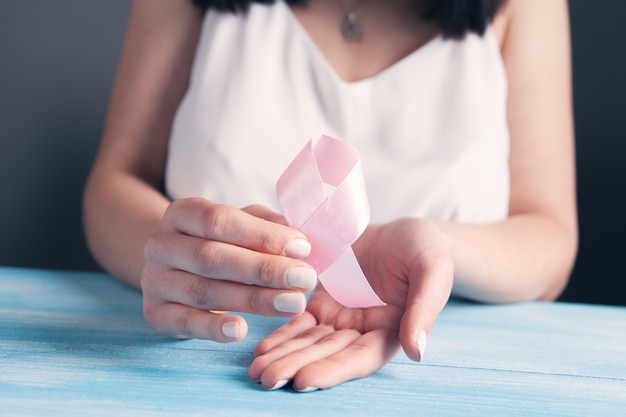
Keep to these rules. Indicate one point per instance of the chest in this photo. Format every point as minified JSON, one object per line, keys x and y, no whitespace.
{"x":384,"y":34}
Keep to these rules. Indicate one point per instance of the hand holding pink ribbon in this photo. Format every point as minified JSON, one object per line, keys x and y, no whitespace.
{"x":331,"y":220}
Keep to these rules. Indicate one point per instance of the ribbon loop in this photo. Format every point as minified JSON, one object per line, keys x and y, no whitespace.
{"x":331,"y":221}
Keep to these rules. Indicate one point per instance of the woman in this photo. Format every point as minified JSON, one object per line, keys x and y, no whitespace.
{"x":461,"y":111}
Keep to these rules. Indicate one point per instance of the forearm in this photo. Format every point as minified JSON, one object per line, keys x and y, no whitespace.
{"x":120,"y":213}
{"x":525,"y":257}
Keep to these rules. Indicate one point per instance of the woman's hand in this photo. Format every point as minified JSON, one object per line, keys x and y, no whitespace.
{"x":208,"y":258}
{"x":408,"y":264}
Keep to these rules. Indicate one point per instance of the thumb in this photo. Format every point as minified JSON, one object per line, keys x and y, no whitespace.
{"x":429,"y":290}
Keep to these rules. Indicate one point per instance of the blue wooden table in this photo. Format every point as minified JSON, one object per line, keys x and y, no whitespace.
{"x":77,"y":344}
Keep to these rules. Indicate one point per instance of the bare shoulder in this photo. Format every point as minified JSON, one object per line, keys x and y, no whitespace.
{"x":151,"y":78}
{"x":535,"y":15}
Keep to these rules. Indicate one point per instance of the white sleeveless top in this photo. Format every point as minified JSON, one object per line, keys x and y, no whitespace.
{"x":431,"y":128}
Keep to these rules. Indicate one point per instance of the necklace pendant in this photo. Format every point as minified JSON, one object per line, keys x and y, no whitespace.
{"x":350,"y":27}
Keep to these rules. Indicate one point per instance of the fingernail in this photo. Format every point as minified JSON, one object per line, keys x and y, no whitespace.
{"x":301,"y":277}
{"x":230,"y":329}
{"x":279,"y":384}
{"x":298,"y":248}
{"x":307,"y":389}
{"x":290,"y":303}
{"x":420,"y":342}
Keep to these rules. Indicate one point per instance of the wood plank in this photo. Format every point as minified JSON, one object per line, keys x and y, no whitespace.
{"x":124,"y":381}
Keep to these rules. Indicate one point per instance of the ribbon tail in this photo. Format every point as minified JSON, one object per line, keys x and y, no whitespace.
{"x":345,"y":282}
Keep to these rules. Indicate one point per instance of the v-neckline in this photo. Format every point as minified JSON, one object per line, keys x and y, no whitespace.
{"x":384,"y":73}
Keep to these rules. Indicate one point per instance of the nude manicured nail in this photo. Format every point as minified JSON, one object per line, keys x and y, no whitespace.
{"x":298,"y":248}
{"x":279,"y":384}
{"x":290,"y":303}
{"x":301,"y":277}
{"x":420,"y":343}
{"x":230,"y":329}
{"x":307,"y":389}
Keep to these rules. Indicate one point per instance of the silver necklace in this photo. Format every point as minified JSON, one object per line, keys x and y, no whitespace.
{"x":350,"y":27}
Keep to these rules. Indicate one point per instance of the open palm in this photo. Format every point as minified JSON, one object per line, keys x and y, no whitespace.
{"x":408,"y":265}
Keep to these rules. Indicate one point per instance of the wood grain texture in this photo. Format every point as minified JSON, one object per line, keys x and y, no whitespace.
{"x":76,"y":344}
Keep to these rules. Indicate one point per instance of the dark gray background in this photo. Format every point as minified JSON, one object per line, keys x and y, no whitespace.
{"x":57,"y":62}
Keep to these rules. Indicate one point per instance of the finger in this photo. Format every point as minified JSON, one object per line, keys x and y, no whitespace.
{"x":201,"y":218}
{"x":425,"y":299}
{"x":180,"y":321}
{"x":283,"y":369}
{"x":303,"y":340}
{"x":207,"y":294}
{"x":265,"y":213}
{"x":223,"y":261}
{"x":287,"y":332}
{"x":359,"y":359}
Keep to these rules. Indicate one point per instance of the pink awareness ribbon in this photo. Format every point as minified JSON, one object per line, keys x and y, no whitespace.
{"x":331,"y":220}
